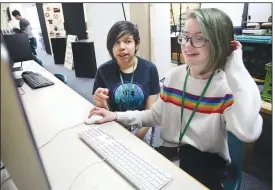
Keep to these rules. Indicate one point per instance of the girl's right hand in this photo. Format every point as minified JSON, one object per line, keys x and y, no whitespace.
{"x":101,"y":97}
{"x":106,"y":114}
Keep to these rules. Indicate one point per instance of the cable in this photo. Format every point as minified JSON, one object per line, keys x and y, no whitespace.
{"x":2,"y":166}
{"x":152,"y":136}
{"x":123,"y":11}
{"x":179,"y":49}
{"x":23,"y":91}
{"x":59,"y":133}
{"x":2,"y":183}
{"x":101,"y":161}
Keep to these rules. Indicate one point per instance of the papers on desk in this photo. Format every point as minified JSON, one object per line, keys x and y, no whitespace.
{"x":17,"y":74}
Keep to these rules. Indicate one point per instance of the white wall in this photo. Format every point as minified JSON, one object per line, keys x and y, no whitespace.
{"x":160,"y":37}
{"x":184,"y":8}
{"x":88,"y":19}
{"x":234,"y":10}
{"x":4,"y":16}
{"x":259,"y":12}
{"x":101,"y":17}
{"x":19,"y":7}
{"x":28,"y":11}
{"x":140,"y":15}
{"x":99,"y":24}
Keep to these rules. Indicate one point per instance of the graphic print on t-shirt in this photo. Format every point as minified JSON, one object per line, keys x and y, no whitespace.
{"x":130,"y":100}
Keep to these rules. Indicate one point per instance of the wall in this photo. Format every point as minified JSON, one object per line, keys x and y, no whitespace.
{"x":28,"y":11}
{"x":184,"y":8}
{"x":101,"y":17}
{"x":19,"y":7}
{"x":54,"y":19}
{"x":160,"y":37}
{"x":234,"y":10}
{"x":155,"y":45}
{"x":259,"y":11}
{"x":88,"y":19}
{"x":59,"y":22}
{"x":4,"y":17}
{"x":140,"y":15}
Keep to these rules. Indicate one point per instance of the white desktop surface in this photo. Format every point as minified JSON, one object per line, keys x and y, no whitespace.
{"x":101,"y":175}
{"x":58,"y":107}
{"x":52,"y":108}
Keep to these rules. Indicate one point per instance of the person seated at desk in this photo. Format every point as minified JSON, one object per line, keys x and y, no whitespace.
{"x":211,"y":94}
{"x":126,"y":82}
{"x":25,"y":27}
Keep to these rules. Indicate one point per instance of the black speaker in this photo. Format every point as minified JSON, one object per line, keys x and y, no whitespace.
{"x":59,"y":49}
{"x":84,"y":59}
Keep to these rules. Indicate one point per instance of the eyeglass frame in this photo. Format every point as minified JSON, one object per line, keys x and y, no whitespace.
{"x":191,"y":42}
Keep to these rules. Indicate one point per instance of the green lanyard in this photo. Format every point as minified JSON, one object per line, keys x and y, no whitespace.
{"x":124,"y":88}
{"x":196,"y":107}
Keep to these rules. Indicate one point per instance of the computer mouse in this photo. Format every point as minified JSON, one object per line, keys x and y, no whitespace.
{"x":93,"y":119}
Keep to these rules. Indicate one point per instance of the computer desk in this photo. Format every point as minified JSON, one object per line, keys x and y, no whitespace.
{"x":58,"y":107}
{"x":52,"y":108}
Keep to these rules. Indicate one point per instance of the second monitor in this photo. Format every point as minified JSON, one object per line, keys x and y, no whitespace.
{"x":19,"y":48}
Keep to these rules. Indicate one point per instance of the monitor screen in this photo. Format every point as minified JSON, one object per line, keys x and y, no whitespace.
{"x":5,"y":51}
{"x":18,"y":147}
{"x":19,"y":47}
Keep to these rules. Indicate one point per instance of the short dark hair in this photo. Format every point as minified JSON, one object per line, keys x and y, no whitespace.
{"x":118,"y":30}
{"x":15,"y":13}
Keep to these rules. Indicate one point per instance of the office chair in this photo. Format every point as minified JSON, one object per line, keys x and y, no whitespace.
{"x":236,"y":153}
{"x":61,"y":77}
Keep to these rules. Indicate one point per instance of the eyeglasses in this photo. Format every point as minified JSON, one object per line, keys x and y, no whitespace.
{"x":195,"y":41}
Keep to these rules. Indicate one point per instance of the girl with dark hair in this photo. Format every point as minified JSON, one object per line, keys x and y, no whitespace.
{"x":126,"y":82}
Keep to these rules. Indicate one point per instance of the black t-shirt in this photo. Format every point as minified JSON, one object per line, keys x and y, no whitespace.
{"x":145,"y":83}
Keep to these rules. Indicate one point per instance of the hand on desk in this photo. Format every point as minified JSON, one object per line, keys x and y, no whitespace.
{"x":92,"y":119}
{"x":106,"y":114}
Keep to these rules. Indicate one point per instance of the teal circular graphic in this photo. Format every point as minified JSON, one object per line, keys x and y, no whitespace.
{"x":131,"y":99}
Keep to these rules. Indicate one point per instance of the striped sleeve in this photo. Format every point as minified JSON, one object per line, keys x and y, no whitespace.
{"x":227,"y":102}
{"x":208,"y":105}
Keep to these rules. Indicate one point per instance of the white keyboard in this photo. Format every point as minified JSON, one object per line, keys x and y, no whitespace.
{"x":141,"y":174}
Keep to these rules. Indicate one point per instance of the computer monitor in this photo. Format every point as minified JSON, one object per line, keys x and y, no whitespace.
{"x":19,"y":47}
{"x":19,"y":152}
{"x":19,"y":81}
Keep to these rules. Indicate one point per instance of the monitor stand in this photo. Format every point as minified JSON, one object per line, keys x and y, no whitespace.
{"x":19,"y":82}
{"x":14,"y":69}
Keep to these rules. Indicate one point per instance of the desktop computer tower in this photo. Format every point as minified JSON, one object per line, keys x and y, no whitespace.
{"x":84,"y":59}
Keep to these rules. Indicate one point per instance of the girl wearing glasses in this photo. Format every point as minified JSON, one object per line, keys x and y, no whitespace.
{"x":127,"y":82}
{"x":203,"y":99}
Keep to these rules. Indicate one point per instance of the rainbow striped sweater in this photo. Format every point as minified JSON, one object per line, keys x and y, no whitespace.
{"x":231,"y":103}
